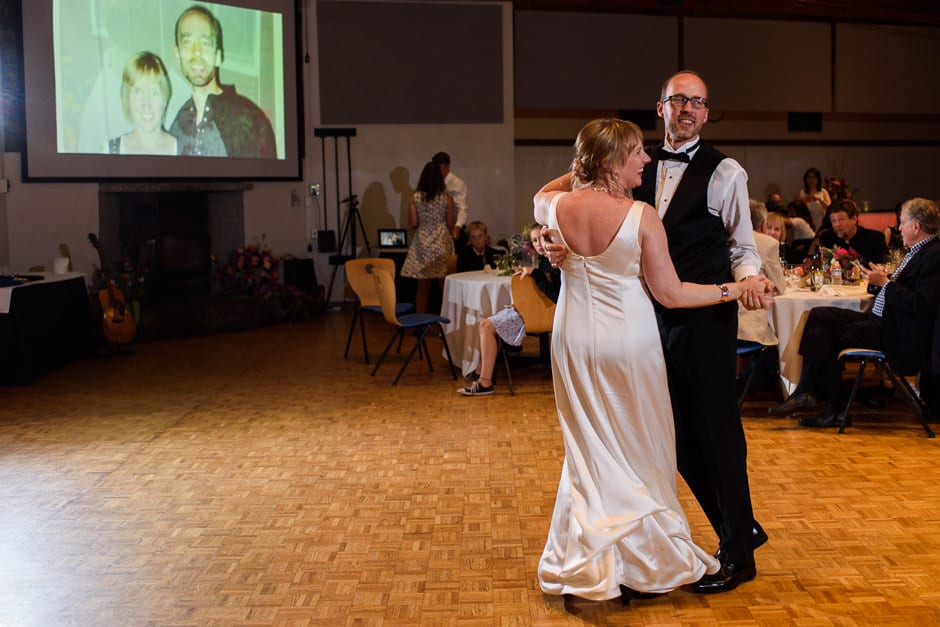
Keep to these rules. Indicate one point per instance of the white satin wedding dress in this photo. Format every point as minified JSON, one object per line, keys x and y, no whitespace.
{"x":617,"y":517}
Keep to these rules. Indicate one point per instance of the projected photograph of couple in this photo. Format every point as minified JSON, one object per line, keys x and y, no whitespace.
{"x":168,"y":77}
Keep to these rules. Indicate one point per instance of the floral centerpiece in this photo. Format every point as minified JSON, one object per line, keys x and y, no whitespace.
{"x":845,"y":255}
{"x":839,"y":189}
{"x":521,"y":252}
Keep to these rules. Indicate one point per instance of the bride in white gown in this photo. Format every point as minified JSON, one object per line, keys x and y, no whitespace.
{"x":618,"y":528}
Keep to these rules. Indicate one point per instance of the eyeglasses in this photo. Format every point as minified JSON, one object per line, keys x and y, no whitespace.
{"x":679,"y":101}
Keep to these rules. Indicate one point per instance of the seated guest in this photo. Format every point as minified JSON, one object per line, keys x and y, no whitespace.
{"x":774,"y":203}
{"x":846,"y":232}
{"x":753,"y":325}
{"x":773,"y":224}
{"x":800,"y":220}
{"x":893,"y":233}
{"x":508,"y":324}
{"x":900,"y":322}
{"x":779,"y":228}
{"x":477,"y":252}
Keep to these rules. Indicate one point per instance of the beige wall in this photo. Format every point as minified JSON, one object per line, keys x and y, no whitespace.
{"x":502,"y":177}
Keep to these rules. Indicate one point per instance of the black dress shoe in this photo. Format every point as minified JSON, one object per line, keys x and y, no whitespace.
{"x":758,"y":536}
{"x":728,"y":577}
{"x":628,"y":594}
{"x":793,"y":404}
{"x":823,"y":420}
{"x":757,"y":540}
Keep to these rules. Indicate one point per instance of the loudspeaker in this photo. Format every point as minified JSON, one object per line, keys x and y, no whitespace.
{"x":326,"y":241}
{"x":300,"y":273}
{"x":804,"y":122}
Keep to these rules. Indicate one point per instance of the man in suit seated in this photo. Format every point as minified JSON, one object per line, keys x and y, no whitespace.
{"x":846,"y":233}
{"x":477,"y":252}
{"x":900,"y":323}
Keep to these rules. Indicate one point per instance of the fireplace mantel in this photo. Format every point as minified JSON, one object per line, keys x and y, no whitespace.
{"x":174,"y":186}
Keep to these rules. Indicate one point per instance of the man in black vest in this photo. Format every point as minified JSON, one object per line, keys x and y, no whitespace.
{"x":702,"y":198}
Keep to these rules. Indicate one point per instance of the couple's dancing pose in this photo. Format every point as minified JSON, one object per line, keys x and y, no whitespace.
{"x":643,"y":317}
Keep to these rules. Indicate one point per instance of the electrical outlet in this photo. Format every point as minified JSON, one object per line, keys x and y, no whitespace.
{"x":315,"y":189}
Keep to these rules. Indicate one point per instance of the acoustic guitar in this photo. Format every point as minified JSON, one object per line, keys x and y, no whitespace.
{"x":117,"y":324}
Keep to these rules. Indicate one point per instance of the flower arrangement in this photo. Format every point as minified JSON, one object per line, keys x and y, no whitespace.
{"x":131,"y":279}
{"x":520,"y":244}
{"x":844,"y":255}
{"x":249,"y":271}
{"x":838,"y":188}
{"x":253,"y":273}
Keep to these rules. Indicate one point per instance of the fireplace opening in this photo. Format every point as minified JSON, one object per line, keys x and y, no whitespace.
{"x":167,"y":233}
{"x":174,"y":230}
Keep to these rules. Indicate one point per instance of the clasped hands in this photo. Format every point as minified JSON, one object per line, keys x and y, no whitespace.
{"x":758,"y":293}
{"x":875,"y":274}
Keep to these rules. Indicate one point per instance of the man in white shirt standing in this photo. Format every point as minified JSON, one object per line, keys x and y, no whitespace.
{"x":701,"y":196}
{"x":458,"y":191}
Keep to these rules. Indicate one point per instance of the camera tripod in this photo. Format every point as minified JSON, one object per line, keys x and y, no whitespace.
{"x":353,"y":218}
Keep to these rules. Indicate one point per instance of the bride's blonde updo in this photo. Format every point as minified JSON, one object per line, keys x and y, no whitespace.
{"x":602,"y":145}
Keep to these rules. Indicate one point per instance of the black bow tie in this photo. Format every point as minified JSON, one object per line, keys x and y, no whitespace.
{"x":664,"y":155}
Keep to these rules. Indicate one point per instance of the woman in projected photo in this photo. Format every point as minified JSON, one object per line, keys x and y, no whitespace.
{"x":145,"y":93}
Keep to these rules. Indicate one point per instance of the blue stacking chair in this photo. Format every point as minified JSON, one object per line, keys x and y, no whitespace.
{"x":360,"y":279}
{"x":752,"y":350}
{"x":865,"y":355}
{"x":420,"y":322}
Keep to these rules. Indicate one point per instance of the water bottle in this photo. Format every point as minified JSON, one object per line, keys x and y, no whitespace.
{"x":835,"y":273}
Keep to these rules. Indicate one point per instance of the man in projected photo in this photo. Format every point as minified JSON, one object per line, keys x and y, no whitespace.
{"x":216,"y":121}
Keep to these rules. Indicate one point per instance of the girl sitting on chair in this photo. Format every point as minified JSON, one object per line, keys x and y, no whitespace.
{"x":508,"y":324}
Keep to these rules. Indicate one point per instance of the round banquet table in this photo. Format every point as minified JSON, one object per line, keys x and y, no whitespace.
{"x":789,"y":314}
{"x":468,"y":298}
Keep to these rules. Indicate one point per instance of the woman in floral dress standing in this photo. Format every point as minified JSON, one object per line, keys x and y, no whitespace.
{"x":431,"y":214}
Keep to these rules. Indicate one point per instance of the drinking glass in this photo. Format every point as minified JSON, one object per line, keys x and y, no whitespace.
{"x":818,"y":277}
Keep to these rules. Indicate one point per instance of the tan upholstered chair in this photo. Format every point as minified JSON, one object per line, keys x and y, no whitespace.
{"x":538,"y":313}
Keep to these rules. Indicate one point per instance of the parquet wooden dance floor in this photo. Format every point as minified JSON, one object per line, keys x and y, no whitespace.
{"x":259,"y":478}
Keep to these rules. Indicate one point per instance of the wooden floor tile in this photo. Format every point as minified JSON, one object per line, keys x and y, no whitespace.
{"x":259,"y":478}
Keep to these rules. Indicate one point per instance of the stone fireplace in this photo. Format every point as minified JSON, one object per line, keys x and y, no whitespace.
{"x":176,"y":230}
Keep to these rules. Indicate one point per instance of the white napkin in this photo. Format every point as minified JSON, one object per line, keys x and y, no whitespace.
{"x":829,"y":290}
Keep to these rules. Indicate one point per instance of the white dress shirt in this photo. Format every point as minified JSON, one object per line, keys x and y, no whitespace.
{"x":727,"y":199}
{"x":458,"y":191}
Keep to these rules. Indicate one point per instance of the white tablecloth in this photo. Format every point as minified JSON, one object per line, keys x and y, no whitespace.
{"x":6,"y":293}
{"x":468,"y":298}
{"x":789,"y":313}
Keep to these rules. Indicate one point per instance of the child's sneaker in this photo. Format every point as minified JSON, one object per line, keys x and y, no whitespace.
{"x":475,"y":389}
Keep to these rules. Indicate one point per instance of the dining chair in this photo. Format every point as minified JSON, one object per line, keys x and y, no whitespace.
{"x":360,"y":279}
{"x":538,"y":313}
{"x":421,"y":323}
{"x":451,"y":263}
{"x":752,"y":351}
{"x":910,"y":393}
